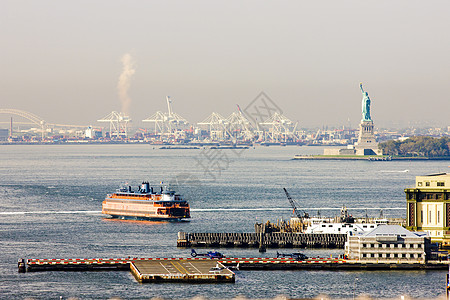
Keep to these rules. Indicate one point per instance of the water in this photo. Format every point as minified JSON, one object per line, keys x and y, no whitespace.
{"x":50,"y":202}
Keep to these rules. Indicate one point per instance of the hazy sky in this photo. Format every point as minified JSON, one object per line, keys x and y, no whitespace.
{"x":62,"y":60}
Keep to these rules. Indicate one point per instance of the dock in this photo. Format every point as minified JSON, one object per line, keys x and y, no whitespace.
{"x":195,"y":270}
{"x":188,"y":270}
{"x":262,"y":240}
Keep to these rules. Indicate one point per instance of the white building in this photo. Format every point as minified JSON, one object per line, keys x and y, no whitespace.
{"x":428,"y":207}
{"x":388,"y":244}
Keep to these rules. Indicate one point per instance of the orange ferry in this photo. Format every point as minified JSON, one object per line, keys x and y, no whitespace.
{"x":146,"y":204}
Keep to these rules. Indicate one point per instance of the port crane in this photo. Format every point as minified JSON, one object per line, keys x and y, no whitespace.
{"x":294,"y":206}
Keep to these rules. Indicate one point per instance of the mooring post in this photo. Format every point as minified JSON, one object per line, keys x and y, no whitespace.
{"x":21,"y":265}
{"x":262,"y":231}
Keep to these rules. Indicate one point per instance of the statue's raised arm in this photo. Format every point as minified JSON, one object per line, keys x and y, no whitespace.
{"x":360,"y":86}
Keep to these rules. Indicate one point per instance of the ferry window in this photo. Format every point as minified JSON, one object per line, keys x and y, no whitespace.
{"x":419,"y":184}
{"x":330,"y":225}
{"x":324,"y":225}
{"x":440,"y":184}
{"x":364,"y":226}
{"x":427,"y":183}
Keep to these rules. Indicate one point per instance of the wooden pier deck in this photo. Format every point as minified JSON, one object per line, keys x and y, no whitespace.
{"x":265,"y":240}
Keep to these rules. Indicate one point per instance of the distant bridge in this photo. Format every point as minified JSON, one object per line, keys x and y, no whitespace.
{"x":36,"y":119}
{"x":24,"y":114}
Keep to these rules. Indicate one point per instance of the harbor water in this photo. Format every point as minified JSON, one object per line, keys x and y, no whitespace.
{"x":50,"y":204}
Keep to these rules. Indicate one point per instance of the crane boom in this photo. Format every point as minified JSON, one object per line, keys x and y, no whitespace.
{"x":296,"y":211}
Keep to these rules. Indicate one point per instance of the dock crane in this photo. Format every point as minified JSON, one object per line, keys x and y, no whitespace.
{"x":294,"y":206}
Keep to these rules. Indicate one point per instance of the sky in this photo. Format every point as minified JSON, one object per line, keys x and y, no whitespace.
{"x":73,"y":62}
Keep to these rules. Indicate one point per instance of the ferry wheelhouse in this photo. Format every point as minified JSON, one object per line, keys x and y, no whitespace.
{"x":146,"y":203}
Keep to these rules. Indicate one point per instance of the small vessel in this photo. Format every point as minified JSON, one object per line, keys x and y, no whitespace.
{"x":146,"y":204}
{"x":343,"y":224}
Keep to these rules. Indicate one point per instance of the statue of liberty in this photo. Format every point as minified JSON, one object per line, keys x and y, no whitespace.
{"x":365,"y":105}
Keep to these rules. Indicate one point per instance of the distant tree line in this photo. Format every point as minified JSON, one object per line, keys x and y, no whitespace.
{"x":418,"y":146}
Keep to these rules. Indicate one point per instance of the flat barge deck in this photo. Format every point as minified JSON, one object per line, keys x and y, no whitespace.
{"x":183,"y":270}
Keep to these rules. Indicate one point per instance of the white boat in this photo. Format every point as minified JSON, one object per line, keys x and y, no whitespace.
{"x":343,"y":224}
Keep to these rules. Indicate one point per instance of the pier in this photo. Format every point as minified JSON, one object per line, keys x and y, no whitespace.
{"x":144,"y":269}
{"x":262,"y":240}
{"x":213,"y":270}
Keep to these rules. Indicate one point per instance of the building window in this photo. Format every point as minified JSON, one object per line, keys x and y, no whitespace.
{"x":364,"y":255}
{"x":372,"y":255}
{"x":427,"y":183}
{"x":440,"y":184}
{"x":419,"y":183}
{"x":429,"y":220}
{"x":372,"y":245}
{"x":421,"y":216}
{"x":395,"y":255}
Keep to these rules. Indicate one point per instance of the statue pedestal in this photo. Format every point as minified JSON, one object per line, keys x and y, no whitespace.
{"x":366,"y":144}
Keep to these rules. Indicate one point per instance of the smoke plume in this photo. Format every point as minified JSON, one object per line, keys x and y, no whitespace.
{"x":125,"y":81}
